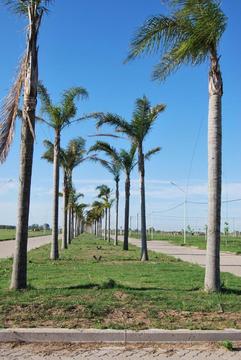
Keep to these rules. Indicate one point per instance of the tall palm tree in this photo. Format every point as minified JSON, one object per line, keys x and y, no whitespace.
{"x":128,"y":162}
{"x":72,"y":205}
{"x":27,"y":79}
{"x":113,"y":167}
{"x":143,"y":118}
{"x":191,"y":35}
{"x":95,"y":216}
{"x":69,"y":158}
{"x":79,"y":210}
{"x":59,"y":116}
{"x":105,"y":194}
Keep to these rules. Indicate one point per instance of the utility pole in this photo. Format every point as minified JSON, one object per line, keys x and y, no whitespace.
{"x":184,"y":210}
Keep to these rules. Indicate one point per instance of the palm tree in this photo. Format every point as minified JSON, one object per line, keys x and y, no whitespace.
{"x":104,"y":194}
{"x":27,"y":79}
{"x":69,"y":158}
{"x":114,"y":168}
{"x":59,"y":116}
{"x":128,"y":162}
{"x":191,"y":35}
{"x":72,"y":205}
{"x":137,"y":129}
{"x":95,"y":215}
{"x":79,"y":210}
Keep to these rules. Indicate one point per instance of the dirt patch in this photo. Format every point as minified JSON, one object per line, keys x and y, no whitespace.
{"x":120,"y":295}
{"x":124,"y":318}
{"x":200,"y":320}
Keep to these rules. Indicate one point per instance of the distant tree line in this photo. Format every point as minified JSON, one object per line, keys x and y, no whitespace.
{"x":34,"y":227}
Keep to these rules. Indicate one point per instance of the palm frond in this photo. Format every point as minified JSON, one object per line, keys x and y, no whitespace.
{"x":106,"y":135}
{"x":21,"y":6}
{"x":9,"y":112}
{"x":68,"y":106}
{"x":152,"y":152}
{"x":156,"y":34}
{"x":49,"y":153}
{"x":189,"y":35}
{"x":46,"y":103}
{"x":127,"y":159}
{"x":106,"y":148}
{"x":120,"y":124}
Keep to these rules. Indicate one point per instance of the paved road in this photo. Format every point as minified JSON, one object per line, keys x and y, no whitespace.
{"x":75,"y":352}
{"x":7,"y":248}
{"x":229,"y":262}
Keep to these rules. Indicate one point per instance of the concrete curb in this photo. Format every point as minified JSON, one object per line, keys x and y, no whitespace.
{"x":116,"y":336}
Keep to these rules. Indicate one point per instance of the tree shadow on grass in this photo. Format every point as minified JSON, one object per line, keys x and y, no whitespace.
{"x":111,"y":284}
{"x":229,"y":291}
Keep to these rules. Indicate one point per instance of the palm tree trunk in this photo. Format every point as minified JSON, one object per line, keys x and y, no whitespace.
{"x":69,"y":225}
{"x":109,"y":234}
{"x":72,"y":224}
{"x":65,"y":213}
{"x":212,"y":275}
{"x":144,"y":253}
{"x":106,"y":223}
{"x":116,"y":213}
{"x":54,"y":255}
{"x":19,"y":272}
{"x":127,"y":210}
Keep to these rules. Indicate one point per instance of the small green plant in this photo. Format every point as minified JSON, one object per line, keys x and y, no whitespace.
{"x":227,"y":344}
{"x":110,"y":284}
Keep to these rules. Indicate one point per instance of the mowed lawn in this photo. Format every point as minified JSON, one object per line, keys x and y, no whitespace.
{"x":9,"y":234}
{"x":229,"y":243}
{"x":118,"y":291}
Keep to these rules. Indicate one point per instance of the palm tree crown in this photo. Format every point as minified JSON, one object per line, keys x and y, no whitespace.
{"x":188,"y":36}
{"x":60,"y":115}
{"x":143,"y":118}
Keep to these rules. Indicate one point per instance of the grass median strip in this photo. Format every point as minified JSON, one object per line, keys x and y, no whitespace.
{"x":118,"y":291}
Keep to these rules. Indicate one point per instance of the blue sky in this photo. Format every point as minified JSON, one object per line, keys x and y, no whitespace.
{"x":84,"y":43}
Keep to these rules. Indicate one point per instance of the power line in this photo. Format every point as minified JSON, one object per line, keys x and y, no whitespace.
{"x":172,"y":208}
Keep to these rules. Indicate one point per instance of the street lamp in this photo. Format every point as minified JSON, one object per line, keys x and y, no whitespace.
{"x":184,"y":212}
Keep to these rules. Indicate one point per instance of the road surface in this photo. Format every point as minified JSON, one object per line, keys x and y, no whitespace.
{"x":7,"y":248}
{"x":229,"y":262}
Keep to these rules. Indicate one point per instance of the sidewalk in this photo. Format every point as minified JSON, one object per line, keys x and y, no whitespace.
{"x":229,"y":262}
{"x":76,"y":352}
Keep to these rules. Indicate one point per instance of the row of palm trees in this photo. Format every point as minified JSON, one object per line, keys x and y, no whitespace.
{"x":136,"y":130}
{"x":190,"y":34}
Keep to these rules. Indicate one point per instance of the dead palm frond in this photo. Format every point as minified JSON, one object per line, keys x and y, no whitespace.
{"x":9,"y":111}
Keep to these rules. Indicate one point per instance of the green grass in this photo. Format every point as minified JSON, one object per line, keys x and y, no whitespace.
{"x":118,"y":292}
{"x":228,"y":243}
{"x":9,"y":234}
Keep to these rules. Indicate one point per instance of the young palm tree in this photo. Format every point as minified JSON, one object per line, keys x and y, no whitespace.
{"x":144,"y":116}
{"x":27,"y":79}
{"x":191,"y":35}
{"x":69,"y":158}
{"x":59,"y":116}
{"x":104,"y":194}
{"x":114,"y":168}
